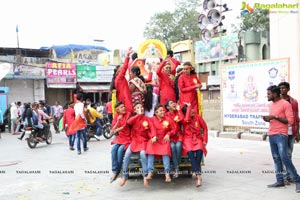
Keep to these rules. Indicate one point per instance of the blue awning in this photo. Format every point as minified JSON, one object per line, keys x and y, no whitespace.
{"x":62,"y":50}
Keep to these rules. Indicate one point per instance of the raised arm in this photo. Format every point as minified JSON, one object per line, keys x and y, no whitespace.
{"x":160,"y":68}
{"x":126,"y":63}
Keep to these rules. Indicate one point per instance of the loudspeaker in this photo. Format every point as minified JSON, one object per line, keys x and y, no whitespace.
{"x":214,"y":17}
{"x":202,"y":21}
{"x":208,"y":4}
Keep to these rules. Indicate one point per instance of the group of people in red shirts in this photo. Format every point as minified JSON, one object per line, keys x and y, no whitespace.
{"x":173,"y":129}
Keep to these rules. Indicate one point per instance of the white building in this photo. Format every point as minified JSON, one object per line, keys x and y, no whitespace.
{"x":285,"y":41}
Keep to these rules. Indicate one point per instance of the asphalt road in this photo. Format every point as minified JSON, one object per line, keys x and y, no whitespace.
{"x":234,"y":169}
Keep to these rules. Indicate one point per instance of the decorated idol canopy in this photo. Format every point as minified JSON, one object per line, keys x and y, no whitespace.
{"x":150,"y":54}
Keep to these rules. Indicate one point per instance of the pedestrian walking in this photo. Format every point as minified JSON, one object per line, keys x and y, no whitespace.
{"x":57,"y":113}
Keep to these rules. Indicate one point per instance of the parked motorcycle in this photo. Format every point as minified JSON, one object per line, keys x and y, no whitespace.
{"x":105,"y":131}
{"x":33,"y":136}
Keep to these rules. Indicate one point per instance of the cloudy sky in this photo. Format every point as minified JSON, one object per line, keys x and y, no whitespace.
{"x":57,"y":22}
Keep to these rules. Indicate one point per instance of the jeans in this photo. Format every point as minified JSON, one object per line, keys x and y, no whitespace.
{"x":176,"y":154}
{"x":291,"y":141}
{"x":56,"y":123}
{"x":71,"y":140}
{"x":110,"y":117}
{"x":195,"y":158}
{"x":279,"y":150}
{"x":99,"y":127}
{"x":18,"y":126}
{"x":81,"y":134}
{"x":14,"y":124}
{"x":166,"y":161}
{"x":143,"y":159}
{"x":117,"y":153}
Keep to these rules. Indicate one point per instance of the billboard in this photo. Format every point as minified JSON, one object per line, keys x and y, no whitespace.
{"x":24,"y":71}
{"x":210,"y":51}
{"x":92,"y":73}
{"x":62,"y":75}
{"x":244,"y":90}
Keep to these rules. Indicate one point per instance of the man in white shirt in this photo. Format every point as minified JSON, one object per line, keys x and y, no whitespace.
{"x":14,"y":117}
{"x":79,"y":111}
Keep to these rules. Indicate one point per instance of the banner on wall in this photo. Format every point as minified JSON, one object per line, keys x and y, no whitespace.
{"x":244,"y":90}
{"x":61,"y":75}
{"x":24,"y":71}
{"x":208,"y":52}
{"x":96,"y":74}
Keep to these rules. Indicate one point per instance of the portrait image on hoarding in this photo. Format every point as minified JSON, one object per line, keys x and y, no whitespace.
{"x":232,"y":92}
{"x":251,"y":91}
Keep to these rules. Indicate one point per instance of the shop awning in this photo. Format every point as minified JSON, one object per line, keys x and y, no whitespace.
{"x":94,"y":87}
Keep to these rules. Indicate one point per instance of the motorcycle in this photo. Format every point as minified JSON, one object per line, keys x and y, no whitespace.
{"x":105,"y":131}
{"x":33,"y":136}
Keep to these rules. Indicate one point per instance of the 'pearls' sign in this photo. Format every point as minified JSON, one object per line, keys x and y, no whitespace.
{"x":63,"y":75}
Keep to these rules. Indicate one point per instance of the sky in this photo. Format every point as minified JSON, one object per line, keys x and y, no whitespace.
{"x":59,"y":22}
{"x":120,"y":23}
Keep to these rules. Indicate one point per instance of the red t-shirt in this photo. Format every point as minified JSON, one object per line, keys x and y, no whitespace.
{"x":283,"y":109}
{"x":108,"y":107}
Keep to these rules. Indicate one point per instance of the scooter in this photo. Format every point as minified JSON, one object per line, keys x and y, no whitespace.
{"x":33,"y":136}
{"x":105,"y":131}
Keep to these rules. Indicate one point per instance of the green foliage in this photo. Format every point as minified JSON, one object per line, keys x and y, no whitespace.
{"x":256,"y":21}
{"x":175,"y":26}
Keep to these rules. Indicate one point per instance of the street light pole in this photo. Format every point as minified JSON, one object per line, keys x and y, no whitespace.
{"x":99,"y":40}
{"x":220,"y":72}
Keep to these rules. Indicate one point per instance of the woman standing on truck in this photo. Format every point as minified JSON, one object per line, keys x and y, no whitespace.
{"x":188,"y":84}
{"x":194,"y":139}
{"x":141,"y":131}
{"x":159,"y":145}
{"x":175,"y":114}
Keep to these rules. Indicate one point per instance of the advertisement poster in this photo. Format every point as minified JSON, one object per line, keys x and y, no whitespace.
{"x":244,"y":88}
{"x":211,"y":51}
{"x":25,"y":71}
{"x":61,"y":74}
{"x":91,"y":73}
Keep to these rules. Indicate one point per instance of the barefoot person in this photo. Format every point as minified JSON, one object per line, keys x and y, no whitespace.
{"x":188,"y":84}
{"x":159,"y":145}
{"x":141,"y":129}
{"x":175,"y":114}
{"x":122,"y":139}
{"x":194,"y":139}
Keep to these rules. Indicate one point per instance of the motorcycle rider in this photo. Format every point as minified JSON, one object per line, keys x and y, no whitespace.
{"x":94,"y":117}
{"x":26,"y":118}
{"x":41,"y":123}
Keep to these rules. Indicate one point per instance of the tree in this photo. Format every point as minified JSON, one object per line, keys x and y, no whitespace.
{"x":175,"y":26}
{"x":256,"y":21}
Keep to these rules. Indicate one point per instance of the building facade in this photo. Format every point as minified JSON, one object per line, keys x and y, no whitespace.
{"x":207,"y":57}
